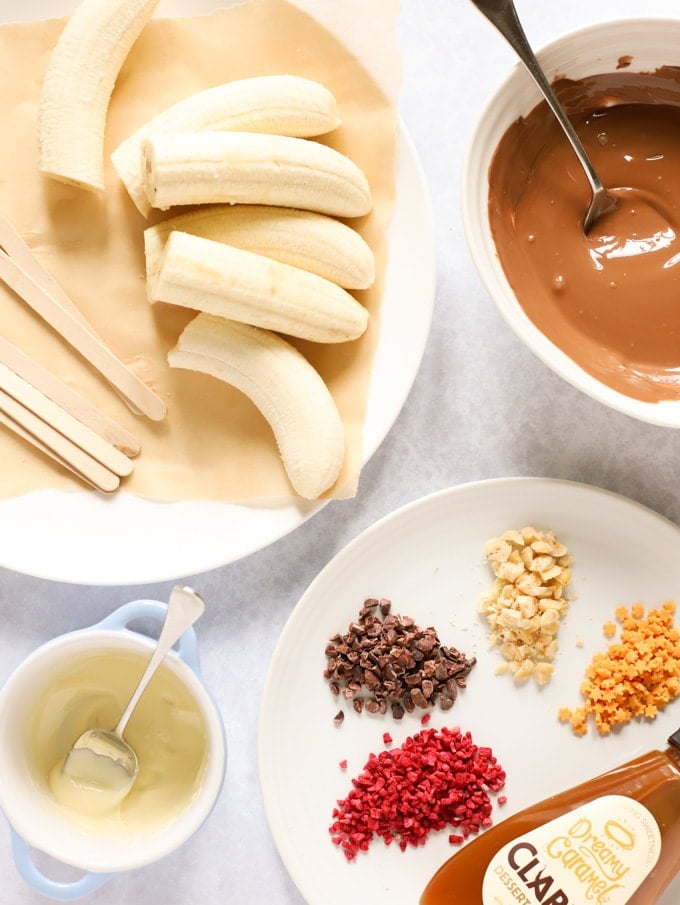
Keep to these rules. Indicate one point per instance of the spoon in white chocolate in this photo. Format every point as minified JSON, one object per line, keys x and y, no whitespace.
{"x":101,"y":767}
{"x":503,"y":15}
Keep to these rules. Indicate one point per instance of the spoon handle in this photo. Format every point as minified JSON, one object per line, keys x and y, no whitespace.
{"x":184,"y":608}
{"x":503,"y":15}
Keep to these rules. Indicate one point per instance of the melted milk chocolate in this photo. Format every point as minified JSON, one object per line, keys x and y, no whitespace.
{"x":609,"y":300}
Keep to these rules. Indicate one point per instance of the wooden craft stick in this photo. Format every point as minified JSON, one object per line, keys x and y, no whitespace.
{"x":60,"y":448}
{"x":7,"y":422}
{"x":71,"y":327}
{"x":59,"y":392}
{"x":65,"y":423}
{"x":19,"y":250}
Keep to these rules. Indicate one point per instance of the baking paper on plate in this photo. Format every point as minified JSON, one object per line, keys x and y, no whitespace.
{"x":214,"y":445}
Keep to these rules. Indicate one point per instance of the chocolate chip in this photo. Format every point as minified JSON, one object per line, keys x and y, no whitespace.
{"x":385,"y":661}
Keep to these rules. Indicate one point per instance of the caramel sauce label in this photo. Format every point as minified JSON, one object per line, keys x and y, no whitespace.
{"x":598,"y":853}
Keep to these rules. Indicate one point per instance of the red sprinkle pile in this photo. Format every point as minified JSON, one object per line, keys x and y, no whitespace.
{"x":435,"y":779}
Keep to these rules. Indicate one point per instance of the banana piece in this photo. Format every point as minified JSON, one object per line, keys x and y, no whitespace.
{"x":77,"y":87}
{"x":283,"y":385}
{"x":252,"y":168}
{"x":277,"y":104}
{"x":323,"y":245}
{"x":244,"y":286}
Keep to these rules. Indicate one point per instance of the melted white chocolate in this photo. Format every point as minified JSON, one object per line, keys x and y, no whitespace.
{"x":166,"y":730}
{"x":88,"y":782}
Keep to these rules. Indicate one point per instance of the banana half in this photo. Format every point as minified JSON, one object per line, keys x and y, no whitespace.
{"x":241,"y":285}
{"x":282,"y":384}
{"x":78,"y":84}
{"x":314,"y":242}
{"x":277,"y":104}
{"x":251,"y":168}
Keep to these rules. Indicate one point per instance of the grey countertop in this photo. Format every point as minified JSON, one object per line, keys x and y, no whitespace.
{"x":482,"y":406}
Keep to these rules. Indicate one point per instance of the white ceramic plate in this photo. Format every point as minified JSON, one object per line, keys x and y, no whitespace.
{"x":427,"y":558}
{"x":83,"y":539}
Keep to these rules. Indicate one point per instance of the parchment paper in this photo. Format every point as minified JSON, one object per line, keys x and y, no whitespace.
{"x":214,"y":444}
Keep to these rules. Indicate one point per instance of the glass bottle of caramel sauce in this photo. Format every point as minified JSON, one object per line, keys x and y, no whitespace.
{"x":614,"y":839}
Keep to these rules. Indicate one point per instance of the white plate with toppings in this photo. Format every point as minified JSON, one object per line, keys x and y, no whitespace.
{"x":130,"y":540}
{"x":428,"y":560}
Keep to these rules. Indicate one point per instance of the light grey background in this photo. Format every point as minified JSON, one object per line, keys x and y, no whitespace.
{"x":481,"y":407}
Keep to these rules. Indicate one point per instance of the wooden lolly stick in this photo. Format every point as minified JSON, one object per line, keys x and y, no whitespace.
{"x":19,"y":250}
{"x":62,"y":421}
{"x":136,"y":393}
{"x":29,"y":438}
{"x":62,"y":448}
{"x":59,"y":392}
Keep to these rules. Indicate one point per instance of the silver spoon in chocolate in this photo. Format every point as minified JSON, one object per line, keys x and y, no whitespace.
{"x":503,"y":15}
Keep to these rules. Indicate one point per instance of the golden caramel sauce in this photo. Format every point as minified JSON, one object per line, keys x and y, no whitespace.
{"x":652,"y":779}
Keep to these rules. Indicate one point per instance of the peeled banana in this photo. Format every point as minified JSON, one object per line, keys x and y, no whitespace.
{"x":323,"y":245}
{"x":251,"y":168}
{"x":283,"y":385}
{"x":277,"y":104}
{"x":77,"y":87}
{"x":244,"y":286}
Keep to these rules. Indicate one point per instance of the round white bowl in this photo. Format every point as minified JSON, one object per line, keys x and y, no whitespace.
{"x":36,"y":822}
{"x":589,"y":51}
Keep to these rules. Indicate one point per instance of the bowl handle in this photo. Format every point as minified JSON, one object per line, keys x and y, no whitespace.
{"x":53,"y":889}
{"x":121,"y":618}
